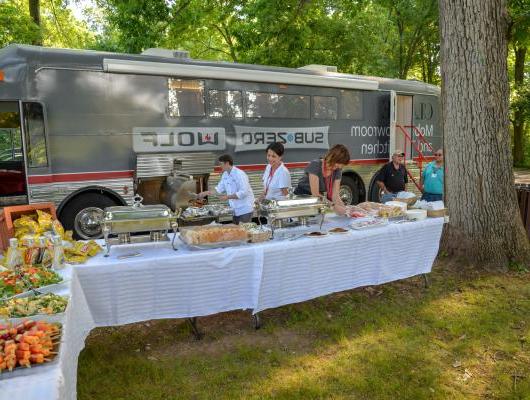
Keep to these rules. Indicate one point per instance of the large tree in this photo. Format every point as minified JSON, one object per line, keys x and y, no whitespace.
{"x":485,"y":224}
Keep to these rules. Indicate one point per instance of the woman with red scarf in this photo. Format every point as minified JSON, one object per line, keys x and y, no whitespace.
{"x":324,"y":175}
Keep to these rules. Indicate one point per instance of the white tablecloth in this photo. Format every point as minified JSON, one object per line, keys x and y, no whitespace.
{"x":162,"y":283}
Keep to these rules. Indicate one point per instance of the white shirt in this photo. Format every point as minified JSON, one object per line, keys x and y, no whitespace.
{"x":236,"y":182}
{"x":281,"y":179}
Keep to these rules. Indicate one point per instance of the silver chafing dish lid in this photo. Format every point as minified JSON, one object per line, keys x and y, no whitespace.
{"x":136,"y":211}
{"x":126,"y":212}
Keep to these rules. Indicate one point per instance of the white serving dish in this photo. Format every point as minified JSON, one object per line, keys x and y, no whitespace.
{"x":416,"y":215}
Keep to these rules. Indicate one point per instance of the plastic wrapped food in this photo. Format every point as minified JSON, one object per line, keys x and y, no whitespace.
{"x":58,"y":253}
{"x":25,"y":225}
{"x":44,"y":220}
{"x":213,"y":234}
{"x":355,"y":212}
{"x":391,"y":212}
{"x":75,"y":259}
{"x":381,"y":210}
{"x":14,"y":256}
{"x":31,"y":253}
{"x":257,"y":235}
{"x":57,"y":228}
{"x":69,"y":236}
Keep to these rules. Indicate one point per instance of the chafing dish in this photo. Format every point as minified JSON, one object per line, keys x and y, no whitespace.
{"x":205,"y":214}
{"x":219,"y":210}
{"x":121,"y":221}
{"x":301,"y":208}
{"x":194,"y":212}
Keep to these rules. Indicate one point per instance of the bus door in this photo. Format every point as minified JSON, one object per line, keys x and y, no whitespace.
{"x":403,"y":122}
{"x":13,"y":189}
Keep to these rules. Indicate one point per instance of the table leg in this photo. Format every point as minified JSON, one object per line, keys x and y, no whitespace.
{"x":426,"y":280}
{"x":256,"y":321}
{"x":193,"y":324}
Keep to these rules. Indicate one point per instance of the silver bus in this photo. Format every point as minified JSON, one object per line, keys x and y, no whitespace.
{"x":87,"y":129}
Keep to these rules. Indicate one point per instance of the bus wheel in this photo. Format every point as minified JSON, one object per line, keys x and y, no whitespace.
{"x":349,"y":191}
{"x":375,"y":193}
{"x":83,"y":214}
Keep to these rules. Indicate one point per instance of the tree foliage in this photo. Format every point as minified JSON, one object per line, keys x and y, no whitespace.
{"x":58,"y":26}
{"x":358,"y":36}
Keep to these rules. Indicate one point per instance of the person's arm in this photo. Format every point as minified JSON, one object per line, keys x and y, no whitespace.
{"x":338,"y":204}
{"x":220,"y":188}
{"x":314,"y":185}
{"x":422,"y":180}
{"x":285,"y":181}
{"x":382,"y":186}
{"x":406,"y":175}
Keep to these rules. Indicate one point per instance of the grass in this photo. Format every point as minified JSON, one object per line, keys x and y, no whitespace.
{"x":466,"y":337}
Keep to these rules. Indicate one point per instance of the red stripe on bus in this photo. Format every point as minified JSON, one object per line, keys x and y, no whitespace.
{"x":82,"y":176}
{"x":261,"y":167}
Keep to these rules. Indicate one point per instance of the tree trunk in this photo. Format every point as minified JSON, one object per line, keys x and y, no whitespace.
{"x":34,"y":12}
{"x":518,"y":116}
{"x":485,"y":224}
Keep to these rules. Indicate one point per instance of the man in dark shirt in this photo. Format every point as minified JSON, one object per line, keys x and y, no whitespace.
{"x":392,"y":178}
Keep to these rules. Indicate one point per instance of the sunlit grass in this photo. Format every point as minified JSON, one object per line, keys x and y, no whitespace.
{"x":466,"y":337}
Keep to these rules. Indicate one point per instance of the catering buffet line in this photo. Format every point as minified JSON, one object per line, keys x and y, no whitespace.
{"x":200,"y":228}
{"x":30,"y":269}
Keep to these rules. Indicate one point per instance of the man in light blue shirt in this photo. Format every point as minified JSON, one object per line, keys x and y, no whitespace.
{"x":432,"y":178}
{"x":234,"y":187}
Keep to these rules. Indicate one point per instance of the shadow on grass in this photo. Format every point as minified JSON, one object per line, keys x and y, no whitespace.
{"x":464,"y":337}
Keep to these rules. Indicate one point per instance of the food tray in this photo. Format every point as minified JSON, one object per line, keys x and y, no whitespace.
{"x":259,"y":236}
{"x":51,"y":288}
{"x":33,"y":316}
{"x":368,"y":224}
{"x":36,"y":368}
{"x":215,"y":245}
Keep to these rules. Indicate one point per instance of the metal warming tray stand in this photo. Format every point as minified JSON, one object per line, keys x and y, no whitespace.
{"x":153,"y":220}
{"x":300,"y":208}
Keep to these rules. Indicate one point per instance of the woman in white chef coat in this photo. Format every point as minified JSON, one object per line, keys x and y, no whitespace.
{"x":276,"y":178}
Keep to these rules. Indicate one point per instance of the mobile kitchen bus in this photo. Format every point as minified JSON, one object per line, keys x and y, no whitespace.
{"x":87,"y":130}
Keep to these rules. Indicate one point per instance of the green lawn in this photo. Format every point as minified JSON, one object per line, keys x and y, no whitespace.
{"x":466,"y":337}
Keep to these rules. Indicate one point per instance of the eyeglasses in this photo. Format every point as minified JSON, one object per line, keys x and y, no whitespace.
{"x":438,"y":154}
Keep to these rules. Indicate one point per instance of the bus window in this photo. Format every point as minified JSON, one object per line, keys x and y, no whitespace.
{"x":10,"y":137}
{"x":324,"y":107}
{"x":351,"y":105}
{"x":185,"y":98}
{"x":274,"y":105}
{"x":12,"y":171}
{"x":35,"y":137}
{"x":225,"y":104}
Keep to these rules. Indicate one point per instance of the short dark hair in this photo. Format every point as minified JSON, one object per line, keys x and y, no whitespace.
{"x":226,"y":158}
{"x":277,"y":147}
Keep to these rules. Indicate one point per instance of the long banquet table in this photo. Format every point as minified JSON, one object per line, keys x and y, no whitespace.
{"x":162,"y":283}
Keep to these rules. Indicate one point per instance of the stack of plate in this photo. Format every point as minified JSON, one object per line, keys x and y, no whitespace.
{"x":416,"y":215}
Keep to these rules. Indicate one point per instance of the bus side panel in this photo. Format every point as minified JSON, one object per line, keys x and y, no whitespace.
{"x":426,"y":117}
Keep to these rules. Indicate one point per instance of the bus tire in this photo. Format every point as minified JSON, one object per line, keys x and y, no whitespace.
{"x":83,"y":212}
{"x":374,"y":194}
{"x":349,"y":190}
